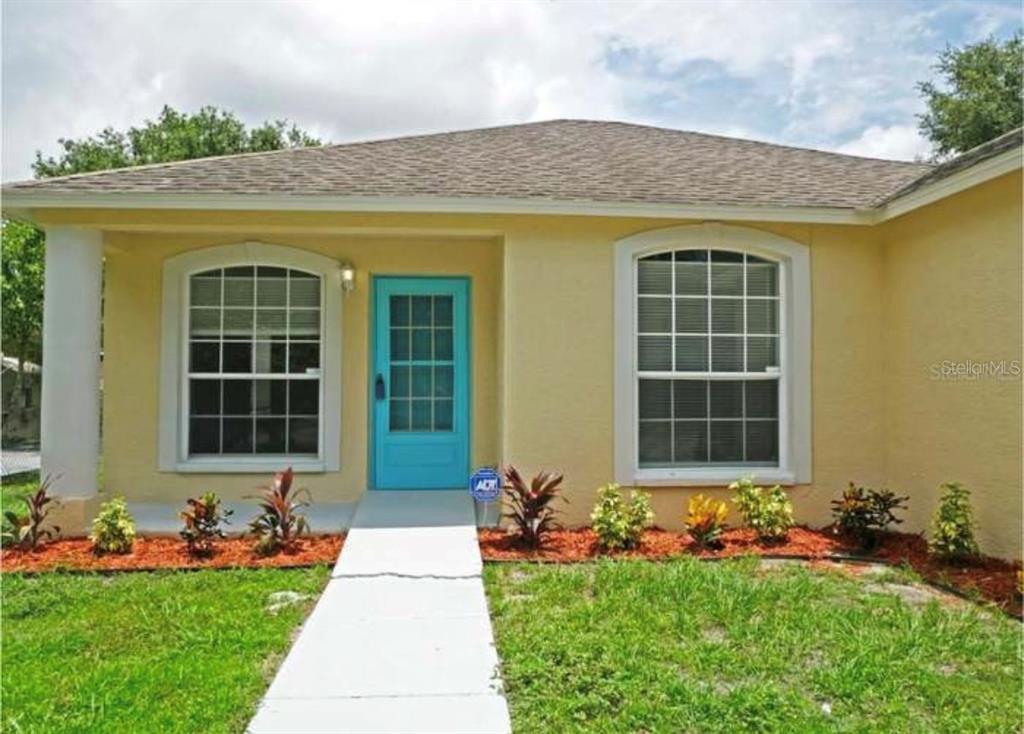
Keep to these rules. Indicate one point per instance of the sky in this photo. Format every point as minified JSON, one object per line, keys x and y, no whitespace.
{"x":831,"y":75}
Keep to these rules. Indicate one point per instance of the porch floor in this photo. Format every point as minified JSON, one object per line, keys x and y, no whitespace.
{"x":401,"y":639}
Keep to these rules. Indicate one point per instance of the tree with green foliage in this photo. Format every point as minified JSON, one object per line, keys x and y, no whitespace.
{"x":982,"y":96}
{"x":21,"y":263}
{"x":173,"y":136}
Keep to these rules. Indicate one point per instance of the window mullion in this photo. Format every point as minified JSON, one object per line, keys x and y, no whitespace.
{"x":707,"y":390}
{"x":743,"y":384}
{"x":288,"y":357}
{"x":675,"y":366}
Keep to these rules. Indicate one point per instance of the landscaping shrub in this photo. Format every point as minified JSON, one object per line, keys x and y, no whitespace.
{"x":530,"y":505}
{"x":862,"y":513}
{"x":26,"y":531}
{"x":113,"y":530}
{"x":203,"y":520}
{"x":706,"y":520}
{"x":279,"y":524}
{"x":952,"y":531}
{"x":768,"y":512}
{"x":620,"y":525}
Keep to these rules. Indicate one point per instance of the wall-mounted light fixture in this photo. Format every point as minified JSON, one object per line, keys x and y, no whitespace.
{"x":348,"y":276}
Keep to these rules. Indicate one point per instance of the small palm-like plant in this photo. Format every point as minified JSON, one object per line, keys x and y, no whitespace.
{"x":26,"y":531}
{"x":203,"y":520}
{"x":279,"y":522}
{"x":530,"y":504}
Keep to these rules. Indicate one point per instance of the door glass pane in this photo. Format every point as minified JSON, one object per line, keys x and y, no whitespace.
{"x":422,"y":311}
{"x":422,"y":375}
{"x":400,"y":384}
{"x":444,"y":381}
{"x":422,"y":344}
{"x":443,"y":344}
{"x":443,"y":310}
{"x":398,"y":414}
{"x":421,"y":415}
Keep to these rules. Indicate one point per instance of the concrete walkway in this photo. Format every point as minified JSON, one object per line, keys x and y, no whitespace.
{"x":401,"y":639}
{"x":16,"y":462}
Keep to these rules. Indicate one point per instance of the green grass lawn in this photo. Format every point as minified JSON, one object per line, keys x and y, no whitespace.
{"x":143,"y":652}
{"x":14,"y":488}
{"x":686,"y":646}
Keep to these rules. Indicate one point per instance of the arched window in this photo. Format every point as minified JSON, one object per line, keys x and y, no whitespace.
{"x":711,"y":372}
{"x":250,"y":360}
{"x":707,"y":364}
{"x":254,"y":362}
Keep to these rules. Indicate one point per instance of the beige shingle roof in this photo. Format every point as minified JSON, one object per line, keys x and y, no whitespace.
{"x":560,"y":160}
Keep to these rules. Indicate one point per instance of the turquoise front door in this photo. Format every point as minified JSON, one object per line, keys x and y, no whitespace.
{"x":420,"y":383}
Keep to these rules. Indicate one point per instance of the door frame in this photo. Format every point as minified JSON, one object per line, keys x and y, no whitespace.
{"x":371,"y":461}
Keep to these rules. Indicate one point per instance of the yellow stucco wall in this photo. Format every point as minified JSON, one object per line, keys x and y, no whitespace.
{"x":560,"y":374}
{"x":132,"y":354}
{"x":883,"y":299}
{"x":952,"y":274}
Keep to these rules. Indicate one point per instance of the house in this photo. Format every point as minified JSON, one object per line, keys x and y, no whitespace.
{"x":664,"y":309}
{"x":19,"y":396}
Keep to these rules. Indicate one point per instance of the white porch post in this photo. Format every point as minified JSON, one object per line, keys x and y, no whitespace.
{"x":70,"y":410}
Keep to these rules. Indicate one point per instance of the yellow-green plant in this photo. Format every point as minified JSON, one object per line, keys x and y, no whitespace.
{"x":768,"y":512}
{"x":620,"y":525}
{"x":705,"y":520}
{"x":113,"y":530}
{"x":952,"y":530}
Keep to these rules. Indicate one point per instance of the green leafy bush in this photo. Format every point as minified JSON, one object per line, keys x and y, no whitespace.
{"x":620,"y":525}
{"x":279,"y":523}
{"x":530,"y":504}
{"x":27,"y":530}
{"x":113,"y":530}
{"x":768,"y":512}
{"x":862,"y":513}
{"x":705,"y":520}
{"x":203,"y":520}
{"x":952,"y":531}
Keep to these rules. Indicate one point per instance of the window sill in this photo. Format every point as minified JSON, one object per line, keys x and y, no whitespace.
{"x":253,"y":466}
{"x":710,"y":477}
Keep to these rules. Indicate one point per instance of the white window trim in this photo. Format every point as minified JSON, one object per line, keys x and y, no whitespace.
{"x":794,"y":385}
{"x":173,"y":450}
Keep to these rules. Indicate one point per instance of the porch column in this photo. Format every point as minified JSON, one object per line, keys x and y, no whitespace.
{"x":70,"y":411}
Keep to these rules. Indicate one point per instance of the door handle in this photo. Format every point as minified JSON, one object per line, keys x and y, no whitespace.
{"x":379,"y":390}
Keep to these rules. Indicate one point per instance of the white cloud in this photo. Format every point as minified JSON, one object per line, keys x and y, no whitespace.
{"x":800,"y":72}
{"x":896,"y":142}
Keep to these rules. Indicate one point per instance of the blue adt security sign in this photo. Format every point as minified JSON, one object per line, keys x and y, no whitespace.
{"x":485,"y":485}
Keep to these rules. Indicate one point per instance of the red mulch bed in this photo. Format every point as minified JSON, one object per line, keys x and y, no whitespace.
{"x":168,"y":553}
{"x":992,"y":578}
